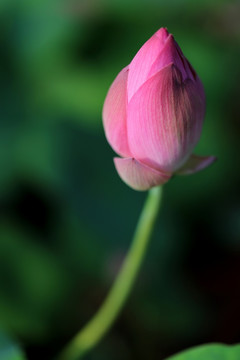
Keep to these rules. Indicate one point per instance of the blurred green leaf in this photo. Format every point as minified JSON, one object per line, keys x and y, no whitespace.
{"x":32,"y":282}
{"x":9,"y":350}
{"x":209,"y":352}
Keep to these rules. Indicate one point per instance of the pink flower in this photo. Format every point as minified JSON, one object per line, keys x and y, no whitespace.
{"x":153,"y":115}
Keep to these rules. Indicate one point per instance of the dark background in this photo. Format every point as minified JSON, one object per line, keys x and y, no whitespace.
{"x":67,"y":219}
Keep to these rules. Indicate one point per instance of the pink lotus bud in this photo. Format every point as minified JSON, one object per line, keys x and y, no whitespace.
{"x":153,"y":115}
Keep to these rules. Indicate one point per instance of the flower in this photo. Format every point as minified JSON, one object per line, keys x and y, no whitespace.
{"x":153,"y":115}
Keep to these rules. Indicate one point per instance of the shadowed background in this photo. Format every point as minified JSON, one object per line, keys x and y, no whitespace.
{"x":66,"y":218}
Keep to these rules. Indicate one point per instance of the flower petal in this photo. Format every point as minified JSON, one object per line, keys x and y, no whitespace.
{"x":139,"y":176}
{"x":165,"y":119}
{"x":143,"y":61}
{"x":171,"y":53}
{"x":195,"y":163}
{"x":114,"y":114}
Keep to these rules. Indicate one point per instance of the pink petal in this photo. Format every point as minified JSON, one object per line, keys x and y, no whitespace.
{"x":195,"y":163}
{"x":165,"y":120}
{"x":143,"y":60}
{"x":171,"y":53}
{"x":114,"y":114}
{"x":139,"y":176}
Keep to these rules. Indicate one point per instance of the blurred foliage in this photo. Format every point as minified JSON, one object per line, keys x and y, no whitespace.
{"x":66,"y":218}
{"x":8,"y":350}
{"x":210,"y":352}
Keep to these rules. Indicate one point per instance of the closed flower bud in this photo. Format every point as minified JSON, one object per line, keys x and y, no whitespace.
{"x":153,"y":115}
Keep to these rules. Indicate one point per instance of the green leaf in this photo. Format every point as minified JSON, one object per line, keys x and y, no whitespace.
{"x":9,"y":350}
{"x":209,"y":352}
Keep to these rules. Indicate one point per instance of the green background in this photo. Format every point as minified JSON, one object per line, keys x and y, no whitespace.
{"x":67,"y":219}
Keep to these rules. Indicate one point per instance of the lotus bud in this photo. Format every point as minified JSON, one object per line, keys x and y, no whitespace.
{"x":153,"y":115}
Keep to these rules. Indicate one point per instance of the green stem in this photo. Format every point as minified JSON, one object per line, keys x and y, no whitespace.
{"x":96,"y":328}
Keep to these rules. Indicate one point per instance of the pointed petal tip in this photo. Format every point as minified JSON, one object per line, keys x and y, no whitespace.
{"x":141,"y":64}
{"x":162,"y":33}
{"x":138,"y":175}
{"x":196,"y":163}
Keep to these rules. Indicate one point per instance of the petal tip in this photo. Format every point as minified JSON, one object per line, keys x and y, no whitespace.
{"x":162,"y":34}
{"x":139,"y":176}
{"x":196,"y":163}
